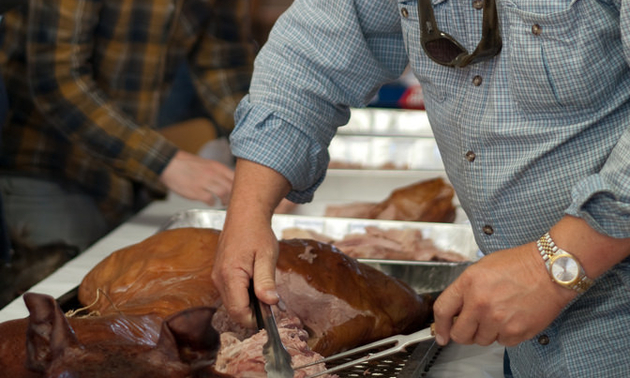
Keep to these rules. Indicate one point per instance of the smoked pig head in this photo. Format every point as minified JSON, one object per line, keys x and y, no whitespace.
{"x":47,"y":344}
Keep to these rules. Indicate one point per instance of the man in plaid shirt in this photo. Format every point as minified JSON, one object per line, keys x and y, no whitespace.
{"x":85,"y":80}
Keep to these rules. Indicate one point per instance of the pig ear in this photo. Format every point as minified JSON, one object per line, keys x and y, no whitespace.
{"x":190,"y":334}
{"x":48,"y":331}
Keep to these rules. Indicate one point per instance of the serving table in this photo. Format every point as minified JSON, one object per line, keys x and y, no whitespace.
{"x":453,"y":361}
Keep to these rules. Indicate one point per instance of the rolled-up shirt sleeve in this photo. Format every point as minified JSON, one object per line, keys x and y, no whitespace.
{"x":603,"y":199}
{"x":322,"y":58}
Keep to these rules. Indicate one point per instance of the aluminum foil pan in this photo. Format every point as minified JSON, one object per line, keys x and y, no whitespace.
{"x":423,"y":276}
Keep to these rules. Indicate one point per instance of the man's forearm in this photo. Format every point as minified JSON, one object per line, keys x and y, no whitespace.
{"x":257,"y":190}
{"x":596,"y":252}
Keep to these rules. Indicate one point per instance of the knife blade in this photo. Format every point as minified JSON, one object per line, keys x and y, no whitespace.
{"x":277,"y":359}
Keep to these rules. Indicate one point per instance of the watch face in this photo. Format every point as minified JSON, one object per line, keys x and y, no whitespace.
{"x":564,"y":269}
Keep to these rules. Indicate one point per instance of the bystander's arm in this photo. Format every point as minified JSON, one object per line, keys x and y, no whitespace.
{"x":61,"y":42}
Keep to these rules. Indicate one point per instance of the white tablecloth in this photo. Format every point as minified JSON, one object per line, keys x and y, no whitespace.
{"x":453,"y":361}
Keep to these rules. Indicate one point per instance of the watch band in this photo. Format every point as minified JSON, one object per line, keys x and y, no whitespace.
{"x":548,"y":249}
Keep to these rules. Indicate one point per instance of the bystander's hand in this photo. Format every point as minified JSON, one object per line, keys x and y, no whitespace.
{"x":199,"y":179}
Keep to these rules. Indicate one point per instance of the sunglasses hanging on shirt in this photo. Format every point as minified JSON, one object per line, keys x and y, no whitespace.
{"x":445,"y":50}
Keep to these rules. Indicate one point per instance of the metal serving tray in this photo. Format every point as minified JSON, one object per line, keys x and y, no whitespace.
{"x":387,"y":122}
{"x":375,"y":138}
{"x":385,"y":152}
{"x":423,"y":276}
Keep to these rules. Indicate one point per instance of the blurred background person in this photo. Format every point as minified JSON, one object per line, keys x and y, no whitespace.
{"x":81,"y":151}
{"x":5,"y":245}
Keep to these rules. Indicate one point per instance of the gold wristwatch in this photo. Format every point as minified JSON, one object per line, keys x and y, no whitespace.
{"x":562,"y":266}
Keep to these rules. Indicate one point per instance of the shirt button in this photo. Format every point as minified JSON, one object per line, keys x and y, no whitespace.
{"x":488,"y":230}
{"x":477,"y":4}
{"x":470,"y":156}
{"x":477,"y":81}
{"x":543,"y":339}
{"x":404,"y":12}
{"x":536,"y":29}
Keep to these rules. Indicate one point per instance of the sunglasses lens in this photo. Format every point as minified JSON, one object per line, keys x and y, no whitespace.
{"x":443,"y":50}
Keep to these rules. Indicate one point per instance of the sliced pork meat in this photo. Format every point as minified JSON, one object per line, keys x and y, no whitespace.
{"x":388,"y":244}
{"x":394,"y":244}
{"x":361,"y":210}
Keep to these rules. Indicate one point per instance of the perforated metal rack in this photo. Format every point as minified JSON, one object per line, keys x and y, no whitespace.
{"x":414,"y":363}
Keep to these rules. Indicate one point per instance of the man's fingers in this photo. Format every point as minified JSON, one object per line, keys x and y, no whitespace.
{"x":231,"y":276}
{"x":210,"y":198}
{"x":217,"y":191}
{"x":485,"y":336}
{"x":238,"y":306}
{"x":464,"y":329}
{"x":265,"y":280}
{"x":445,"y":308}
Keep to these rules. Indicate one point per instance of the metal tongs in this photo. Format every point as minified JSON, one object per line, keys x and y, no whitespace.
{"x":400,"y":343}
{"x":277,"y":359}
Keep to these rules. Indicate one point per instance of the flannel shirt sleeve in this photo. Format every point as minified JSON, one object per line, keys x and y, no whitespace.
{"x":60,"y":41}
{"x":222,"y":63}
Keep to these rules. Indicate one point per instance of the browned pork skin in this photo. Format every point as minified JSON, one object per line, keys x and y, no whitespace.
{"x":341,"y":302}
{"x":47,"y":344}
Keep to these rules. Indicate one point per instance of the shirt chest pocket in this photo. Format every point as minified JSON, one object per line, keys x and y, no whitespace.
{"x":565,"y":61}
{"x":437,"y":81}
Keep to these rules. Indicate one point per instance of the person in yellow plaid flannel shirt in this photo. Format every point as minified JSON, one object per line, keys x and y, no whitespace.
{"x":80,"y":150}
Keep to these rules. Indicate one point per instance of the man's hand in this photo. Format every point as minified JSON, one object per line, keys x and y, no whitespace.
{"x":248,"y":247}
{"x":244,"y":251}
{"x":506,"y":297}
{"x":198,"y":179}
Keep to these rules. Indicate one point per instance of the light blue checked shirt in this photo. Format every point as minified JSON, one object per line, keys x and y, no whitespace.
{"x":547,"y":122}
